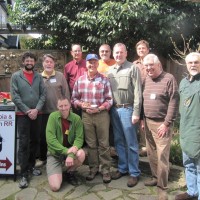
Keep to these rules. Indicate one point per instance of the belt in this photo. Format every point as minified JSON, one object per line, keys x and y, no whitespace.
{"x":124,"y":105}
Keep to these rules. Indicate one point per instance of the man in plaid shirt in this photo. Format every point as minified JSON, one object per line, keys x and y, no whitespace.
{"x":92,"y":93}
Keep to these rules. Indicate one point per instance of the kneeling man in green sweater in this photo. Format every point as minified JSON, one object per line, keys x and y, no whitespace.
{"x":64,"y":135}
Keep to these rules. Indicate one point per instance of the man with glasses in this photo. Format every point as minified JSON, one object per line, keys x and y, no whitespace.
{"x":189,"y":90}
{"x":105,"y":62}
{"x":160,"y":94}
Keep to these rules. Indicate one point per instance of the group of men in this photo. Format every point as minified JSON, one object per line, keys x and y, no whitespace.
{"x":127,"y":94}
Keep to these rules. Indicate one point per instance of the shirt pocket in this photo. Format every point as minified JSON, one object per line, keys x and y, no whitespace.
{"x":124,"y":82}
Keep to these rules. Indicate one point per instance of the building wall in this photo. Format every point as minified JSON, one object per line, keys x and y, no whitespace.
{"x":10,"y":62}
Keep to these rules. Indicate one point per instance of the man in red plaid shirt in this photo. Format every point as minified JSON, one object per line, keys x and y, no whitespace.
{"x":92,"y":93}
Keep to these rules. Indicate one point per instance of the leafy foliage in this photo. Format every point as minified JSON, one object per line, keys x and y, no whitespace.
{"x":93,"y":22}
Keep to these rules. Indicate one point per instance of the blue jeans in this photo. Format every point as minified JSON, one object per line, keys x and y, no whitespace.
{"x":125,"y":139}
{"x":192,"y":174}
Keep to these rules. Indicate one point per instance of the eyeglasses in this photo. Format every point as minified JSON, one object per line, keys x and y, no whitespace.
{"x":77,"y":51}
{"x":149,"y":65}
{"x":106,"y":51}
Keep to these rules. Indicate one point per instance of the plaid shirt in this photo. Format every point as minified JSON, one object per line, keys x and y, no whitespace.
{"x":94,"y":91}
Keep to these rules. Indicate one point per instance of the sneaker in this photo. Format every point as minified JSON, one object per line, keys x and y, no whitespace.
{"x":116,"y":175}
{"x":91,"y":176}
{"x":36,"y":172}
{"x":71,"y":178}
{"x":184,"y":196}
{"x":106,"y":178}
{"x":132,"y":181}
{"x":151,"y":182}
{"x":23,"y":183}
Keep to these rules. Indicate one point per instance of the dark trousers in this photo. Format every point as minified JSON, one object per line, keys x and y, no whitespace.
{"x":29,"y":135}
{"x":43,"y":142}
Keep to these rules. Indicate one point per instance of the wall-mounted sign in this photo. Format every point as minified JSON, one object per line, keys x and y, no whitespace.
{"x":7,"y":142}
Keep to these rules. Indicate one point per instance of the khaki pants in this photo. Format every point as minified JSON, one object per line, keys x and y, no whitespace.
{"x":96,"y":129}
{"x":158,"y":150}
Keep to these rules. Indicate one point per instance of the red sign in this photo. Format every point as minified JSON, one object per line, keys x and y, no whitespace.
{"x":5,"y":164}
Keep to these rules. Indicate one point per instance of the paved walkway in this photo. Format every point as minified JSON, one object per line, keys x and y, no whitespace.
{"x":94,"y":190}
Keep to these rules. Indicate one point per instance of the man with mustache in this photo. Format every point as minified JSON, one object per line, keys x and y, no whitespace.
{"x":28,"y":94}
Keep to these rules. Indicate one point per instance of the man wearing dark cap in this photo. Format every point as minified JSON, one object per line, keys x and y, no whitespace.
{"x":92,"y":93}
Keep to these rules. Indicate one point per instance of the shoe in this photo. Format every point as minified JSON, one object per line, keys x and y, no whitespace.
{"x":151,"y":182}
{"x":40,"y":163}
{"x":143,"y":153}
{"x":72,"y":179}
{"x":36,"y":172}
{"x":132,"y":181}
{"x":91,"y":176}
{"x":23,"y":183}
{"x":106,"y":178}
{"x":116,"y":175}
{"x":162,"y":194}
{"x":184,"y":196}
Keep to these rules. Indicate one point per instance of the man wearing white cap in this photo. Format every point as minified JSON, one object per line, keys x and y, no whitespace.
{"x":92,"y":93}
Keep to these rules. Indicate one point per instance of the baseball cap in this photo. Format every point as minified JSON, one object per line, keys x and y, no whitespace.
{"x":92,"y":56}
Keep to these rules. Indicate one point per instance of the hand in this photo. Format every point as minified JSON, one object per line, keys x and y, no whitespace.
{"x":92,"y":110}
{"x":69,"y":161}
{"x":32,"y":113}
{"x":162,"y":130}
{"x":85,"y":105}
{"x":142,"y":125}
{"x":73,"y":150}
{"x":135,"y":119}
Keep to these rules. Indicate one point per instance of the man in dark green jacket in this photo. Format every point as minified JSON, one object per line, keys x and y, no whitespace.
{"x":190,"y":127}
{"x":64,"y":135}
{"x":28,"y":94}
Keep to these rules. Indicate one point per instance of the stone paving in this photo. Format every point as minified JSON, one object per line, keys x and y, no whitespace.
{"x":94,"y":190}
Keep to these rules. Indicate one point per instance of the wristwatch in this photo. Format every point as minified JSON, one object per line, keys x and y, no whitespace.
{"x":99,"y":110}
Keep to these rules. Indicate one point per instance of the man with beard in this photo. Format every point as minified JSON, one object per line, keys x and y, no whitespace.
{"x":28,"y":95}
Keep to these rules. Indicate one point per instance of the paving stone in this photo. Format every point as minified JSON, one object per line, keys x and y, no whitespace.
{"x":97,"y":188}
{"x":28,"y":193}
{"x":113,"y":194}
{"x":65,"y":189}
{"x":89,"y":197}
{"x":9,"y":189}
{"x":124,"y":198}
{"x":43,"y":196}
{"x":79,"y":191}
{"x":147,"y":197}
{"x":144,"y":191}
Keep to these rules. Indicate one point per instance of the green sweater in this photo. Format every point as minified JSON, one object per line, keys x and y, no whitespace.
{"x":54,"y":135}
{"x":190,"y":116}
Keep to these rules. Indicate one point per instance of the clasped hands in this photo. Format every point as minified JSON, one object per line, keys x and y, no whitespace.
{"x":87,"y":107}
{"x":32,"y":113}
{"x":69,"y":161}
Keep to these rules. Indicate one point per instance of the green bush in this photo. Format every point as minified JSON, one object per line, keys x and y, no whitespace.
{"x":176,"y":151}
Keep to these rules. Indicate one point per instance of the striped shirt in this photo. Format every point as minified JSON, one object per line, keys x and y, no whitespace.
{"x":96,"y":91}
{"x":161,"y":98}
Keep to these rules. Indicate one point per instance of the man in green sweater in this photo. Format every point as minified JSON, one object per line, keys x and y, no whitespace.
{"x":64,"y":135}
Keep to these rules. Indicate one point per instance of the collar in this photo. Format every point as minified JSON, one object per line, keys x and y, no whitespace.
{"x":44,"y":74}
{"x":96,"y":76}
{"x":193,"y":78}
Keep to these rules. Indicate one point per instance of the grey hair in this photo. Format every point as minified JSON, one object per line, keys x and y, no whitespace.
{"x":155,"y":58}
{"x":191,"y":55}
{"x":120,"y":45}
